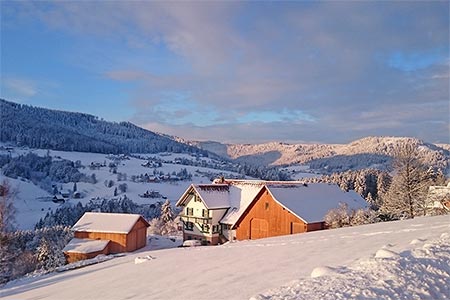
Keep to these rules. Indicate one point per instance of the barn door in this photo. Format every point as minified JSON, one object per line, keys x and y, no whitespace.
{"x":259,"y":228}
{"x":297,"y":227}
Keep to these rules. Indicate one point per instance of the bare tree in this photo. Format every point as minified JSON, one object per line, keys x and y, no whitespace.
{"x":7,"y":225}
{"x":7,"y":209}
{"x":407,"y":193}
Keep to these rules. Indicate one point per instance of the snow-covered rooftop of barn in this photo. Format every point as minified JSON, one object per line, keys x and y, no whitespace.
{"x":312,"y":202}
{"x":85,"y":245}
{"x":106,"y":222}
{"x":241,"y":195}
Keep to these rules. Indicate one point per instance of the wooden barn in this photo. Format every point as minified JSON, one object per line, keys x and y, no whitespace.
{"x":250,"y":209}
{"x":105,"y":233}
{"x":289,"y":209}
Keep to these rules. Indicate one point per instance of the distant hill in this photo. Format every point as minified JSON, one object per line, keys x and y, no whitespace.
{"x":369,"y":152}
{"x":35,"y":127}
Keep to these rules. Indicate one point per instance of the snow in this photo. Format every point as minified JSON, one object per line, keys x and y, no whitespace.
{"x":273,"y":268}
{"x":312,"y":202}
{"x":213,"y":196}
{"x":385,"y":253}
{"x":85,"y":245}
{"x":32,"y":203}
{"x":418,"y":273}
{"x":241,"y":195}
{"x":106,"y":222}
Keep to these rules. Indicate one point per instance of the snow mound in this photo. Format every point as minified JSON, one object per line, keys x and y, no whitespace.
{"x":143,"y":259}
{"x":416,"y":274}
{"x":385,"y":253}
{"x":323,"y":271}
{"x":416,"y":241}
{"x":86,"y":262}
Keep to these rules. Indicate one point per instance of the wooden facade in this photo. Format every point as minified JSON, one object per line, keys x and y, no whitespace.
{"x":74,"y":256}
{"x":135,"y":237}
{"x":120,"y":242}
{"x":266,"y":218}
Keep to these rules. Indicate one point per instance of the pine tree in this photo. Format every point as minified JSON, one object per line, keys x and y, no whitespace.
{"x":167,"y":214}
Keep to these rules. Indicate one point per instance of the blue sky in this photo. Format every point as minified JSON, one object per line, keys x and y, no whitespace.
{"x":239,"y":72}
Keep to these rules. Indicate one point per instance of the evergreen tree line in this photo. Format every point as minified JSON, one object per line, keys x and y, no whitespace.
{"x":68,"y":215}
{"x":28,"y":251}
{"x":36,"y":127}
{"x":43,"y":170}
{"x":400,"y":196}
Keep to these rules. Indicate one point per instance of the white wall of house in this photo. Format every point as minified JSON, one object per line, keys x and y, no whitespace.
{"x":196,"y":208}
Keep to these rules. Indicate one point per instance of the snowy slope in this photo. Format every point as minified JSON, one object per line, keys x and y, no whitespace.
{"x":33,"y":203}
{"x":260,"y":268}
{"x":275,"y":153}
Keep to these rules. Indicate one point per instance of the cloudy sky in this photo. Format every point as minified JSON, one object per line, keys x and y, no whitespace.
{"x":240,"y":72}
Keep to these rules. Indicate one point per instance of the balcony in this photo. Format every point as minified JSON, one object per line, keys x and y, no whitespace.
{"x":196,"y":219}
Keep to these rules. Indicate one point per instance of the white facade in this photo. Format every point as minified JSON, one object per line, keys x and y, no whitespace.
{"x":200,"y":222}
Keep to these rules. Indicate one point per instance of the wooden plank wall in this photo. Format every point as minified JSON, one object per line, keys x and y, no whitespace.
{"x":73,"y":257}
{"x":120,"y":242}
{"x":278,"y":220}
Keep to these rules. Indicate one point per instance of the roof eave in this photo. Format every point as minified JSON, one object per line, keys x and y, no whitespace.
{"x":182,"y":199}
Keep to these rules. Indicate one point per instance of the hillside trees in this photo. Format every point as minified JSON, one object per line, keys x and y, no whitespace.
{"x":7,"y":225}
{"x":408,"y":190}
{"x":36,"y":127}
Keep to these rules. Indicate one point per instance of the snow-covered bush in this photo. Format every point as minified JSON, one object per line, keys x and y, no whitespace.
{"x":343,"y":216}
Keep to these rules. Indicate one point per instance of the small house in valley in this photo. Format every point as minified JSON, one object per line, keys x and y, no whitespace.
{"x":105,"y":233}
{"x":249,"y":209}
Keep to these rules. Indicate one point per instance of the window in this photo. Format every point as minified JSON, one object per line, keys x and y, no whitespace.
{"x":188,"y":226}
{"x":226,"y":227}
{"x":189,"y":211}
{"x":266,"y":205}
{"x":216,"y":229}
{"x":205,"y":213}
{"x":205,"y":228}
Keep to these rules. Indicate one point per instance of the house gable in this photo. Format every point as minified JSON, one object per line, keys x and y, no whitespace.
{"x":265,"y":217}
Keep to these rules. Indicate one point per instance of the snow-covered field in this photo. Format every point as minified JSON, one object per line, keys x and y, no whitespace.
{"x":32,"y":203}
{"x":395,"y":260}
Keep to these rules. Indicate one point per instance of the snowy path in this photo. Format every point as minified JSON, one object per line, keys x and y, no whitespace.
{"x":239,"y":270}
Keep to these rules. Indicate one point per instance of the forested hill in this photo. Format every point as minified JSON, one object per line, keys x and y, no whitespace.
{"x":35,"y":127}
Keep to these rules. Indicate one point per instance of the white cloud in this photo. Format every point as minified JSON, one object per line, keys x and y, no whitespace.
{"x":18,"y":87}
{"x":328,"y":60}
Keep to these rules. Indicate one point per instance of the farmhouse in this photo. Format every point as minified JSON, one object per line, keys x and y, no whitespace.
{"x":248,"y":209}
{"x":438,"y":198}
{"x":105,"y":233}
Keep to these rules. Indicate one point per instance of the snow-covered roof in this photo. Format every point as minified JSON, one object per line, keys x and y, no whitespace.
{"x":85,"y":245}
{"x":241,"y":195}
{"x":213,"y":195}
{"x":311,"y":202}
{"x":107,"y":222}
